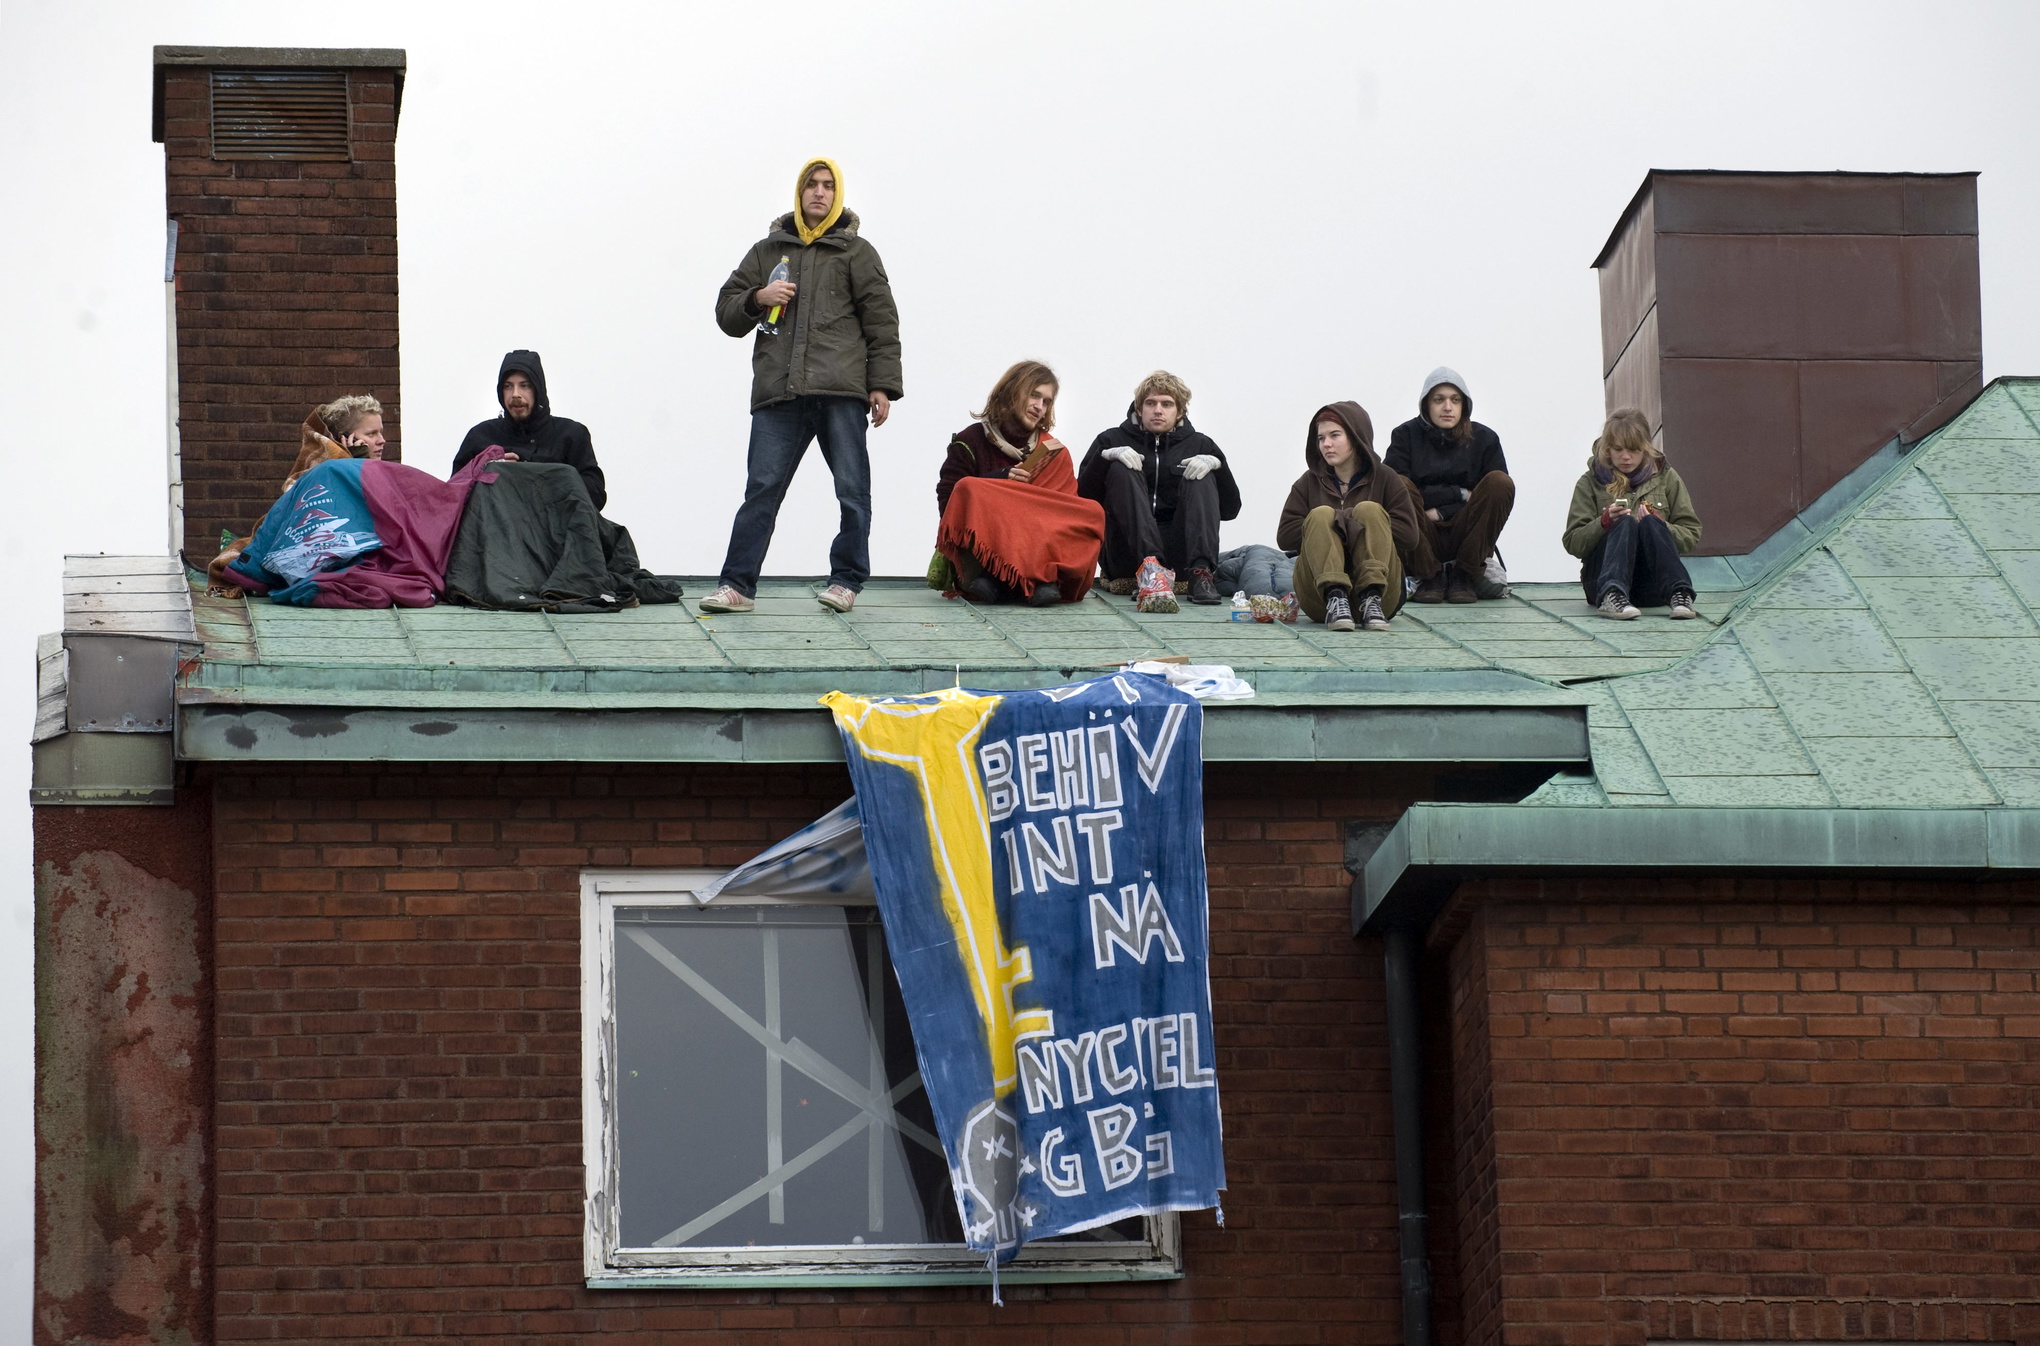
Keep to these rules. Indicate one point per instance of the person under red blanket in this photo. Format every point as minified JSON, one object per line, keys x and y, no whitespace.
{"x":1008,"y":531}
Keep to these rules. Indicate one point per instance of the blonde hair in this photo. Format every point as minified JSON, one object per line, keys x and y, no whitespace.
{"x":1162,"y":383}
{"x":1627,"y":428}
{"x":342,"y":414}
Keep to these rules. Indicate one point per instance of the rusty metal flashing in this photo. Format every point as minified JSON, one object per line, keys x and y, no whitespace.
{"x":123,"y":769}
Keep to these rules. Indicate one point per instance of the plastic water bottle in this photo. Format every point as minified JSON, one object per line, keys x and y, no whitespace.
{"x":784,"y":271}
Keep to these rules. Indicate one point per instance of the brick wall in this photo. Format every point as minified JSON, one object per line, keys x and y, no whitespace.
{"x":286,"y":297}
{"x":1473,"y":1208}
{"x":1758,"y":1111}
{"x":399,"y":1066}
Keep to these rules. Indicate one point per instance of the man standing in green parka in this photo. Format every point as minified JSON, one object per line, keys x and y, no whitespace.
{"x":827,"y":354}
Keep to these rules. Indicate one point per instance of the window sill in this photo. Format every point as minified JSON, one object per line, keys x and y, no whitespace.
{"x":681,"y":1278}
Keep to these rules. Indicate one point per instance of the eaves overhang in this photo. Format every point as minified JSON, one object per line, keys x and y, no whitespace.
{"x":1436,"y":847}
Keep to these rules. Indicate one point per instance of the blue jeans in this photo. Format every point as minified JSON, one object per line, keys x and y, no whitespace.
{"x":780,"y":435}
{"x":1637,"y":556}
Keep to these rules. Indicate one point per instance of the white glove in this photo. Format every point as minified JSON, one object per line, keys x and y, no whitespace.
{"x":1123,"y":454}
{"x":1198,"y":466}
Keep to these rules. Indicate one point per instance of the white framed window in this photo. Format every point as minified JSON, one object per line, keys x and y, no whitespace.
{"x":752,"y":1111}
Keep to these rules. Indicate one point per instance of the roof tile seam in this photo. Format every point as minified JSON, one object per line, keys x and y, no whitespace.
{"x":1630,"y":725}
{"x":1587,"y":631}
{"x":1996,"y":570}
{"x":707,"y":628}
{"x":1471,"y":652}
{"x":842,"y":622}
{"x":991,"y":624}
{"x":403,"y":634}
{"x":1785,"y":715}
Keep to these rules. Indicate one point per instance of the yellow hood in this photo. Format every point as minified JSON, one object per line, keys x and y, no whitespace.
{"x":800,"y":227}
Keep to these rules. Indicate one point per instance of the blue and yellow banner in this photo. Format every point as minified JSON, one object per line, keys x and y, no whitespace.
{"x":1038,"y":859}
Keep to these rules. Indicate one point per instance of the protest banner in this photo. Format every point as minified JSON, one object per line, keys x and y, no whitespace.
{"x":1038,"y":860}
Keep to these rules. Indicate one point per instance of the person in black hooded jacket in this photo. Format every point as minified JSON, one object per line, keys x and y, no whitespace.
{"x":529,"y":431}
{"x":1164,"y":488}
{"x":1454,"y":468}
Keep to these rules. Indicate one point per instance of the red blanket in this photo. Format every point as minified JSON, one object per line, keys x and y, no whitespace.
{"x":1027,"y":533}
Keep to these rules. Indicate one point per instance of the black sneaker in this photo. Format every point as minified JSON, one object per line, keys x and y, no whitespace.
{"x":1615,"y":606}
{"x":1203,"y":588}
{"x":1681,"y":609}
{"x":1045,"y":596}
{"x":1338,"y":611}
{"x":1372,"y":618}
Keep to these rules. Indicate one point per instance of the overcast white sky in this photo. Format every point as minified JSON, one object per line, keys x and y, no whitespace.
{"x":1286,"y":204}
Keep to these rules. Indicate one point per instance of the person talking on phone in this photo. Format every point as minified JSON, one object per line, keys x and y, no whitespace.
{"x":528,"y":431}
{"x":1630,"y":521}
{"x":1013,"y":527}
{"x":826,"y":356}
{"x":1164,"y":486}
{"x":355,"y":423}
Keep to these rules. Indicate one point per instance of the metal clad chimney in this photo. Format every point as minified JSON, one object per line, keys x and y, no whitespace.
{"x":1779,"y":328}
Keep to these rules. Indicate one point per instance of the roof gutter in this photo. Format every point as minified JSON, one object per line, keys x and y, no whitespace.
{"x":586,"y":730}
{"x":1436,"y":847}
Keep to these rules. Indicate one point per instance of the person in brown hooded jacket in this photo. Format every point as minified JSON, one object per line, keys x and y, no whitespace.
{"x":1349,"y":521}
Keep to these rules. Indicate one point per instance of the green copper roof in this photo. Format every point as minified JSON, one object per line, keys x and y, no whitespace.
{"x":262,"y":651}
{"x":1880,"y":650}
{"x":1893,"y":661}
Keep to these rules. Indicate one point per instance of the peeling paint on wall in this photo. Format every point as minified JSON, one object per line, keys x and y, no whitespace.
{"x":123,"y":1087}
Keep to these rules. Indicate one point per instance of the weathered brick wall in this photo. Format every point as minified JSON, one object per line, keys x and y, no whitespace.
{"x":399,"y":1066}
{"x":1760,"y":1111}
{"x":123,"y":1074}
{"x":286,"y":297}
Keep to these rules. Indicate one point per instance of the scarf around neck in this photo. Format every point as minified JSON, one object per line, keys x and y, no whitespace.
{"x":1644,"y":472}
{"x":1039,"y":438}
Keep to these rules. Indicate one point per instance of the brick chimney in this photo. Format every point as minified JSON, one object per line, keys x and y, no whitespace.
{"x":281,"y":177}
{"x":1779,"y":328}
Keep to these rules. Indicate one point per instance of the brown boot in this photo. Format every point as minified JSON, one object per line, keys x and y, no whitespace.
{"x":1458,"y":589}
{"x":1431,"y":590}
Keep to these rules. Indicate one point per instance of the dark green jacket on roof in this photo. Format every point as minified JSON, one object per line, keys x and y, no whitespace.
{"x":840,"y":337}
{"x":1664,"y":492}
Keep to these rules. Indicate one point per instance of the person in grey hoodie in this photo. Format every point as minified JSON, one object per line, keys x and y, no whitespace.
{"x":1460,"y":481}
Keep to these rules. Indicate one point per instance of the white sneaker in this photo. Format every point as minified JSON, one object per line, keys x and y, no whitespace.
{"x":726,"y":599}
{"x":837,"y":597}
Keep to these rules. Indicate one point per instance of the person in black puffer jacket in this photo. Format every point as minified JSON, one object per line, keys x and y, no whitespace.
{"x":1164,"y":488}
{"x":529,"y":430}
{"x":1455,"y":471}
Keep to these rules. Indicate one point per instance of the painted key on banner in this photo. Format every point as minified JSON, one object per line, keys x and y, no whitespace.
{"x":1038,"y":858}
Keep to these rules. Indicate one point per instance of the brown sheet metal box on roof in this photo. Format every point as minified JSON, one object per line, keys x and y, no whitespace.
{"x":1779,"y":328}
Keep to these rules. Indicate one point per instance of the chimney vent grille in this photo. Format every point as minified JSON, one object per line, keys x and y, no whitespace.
{"x":280,"y":114}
